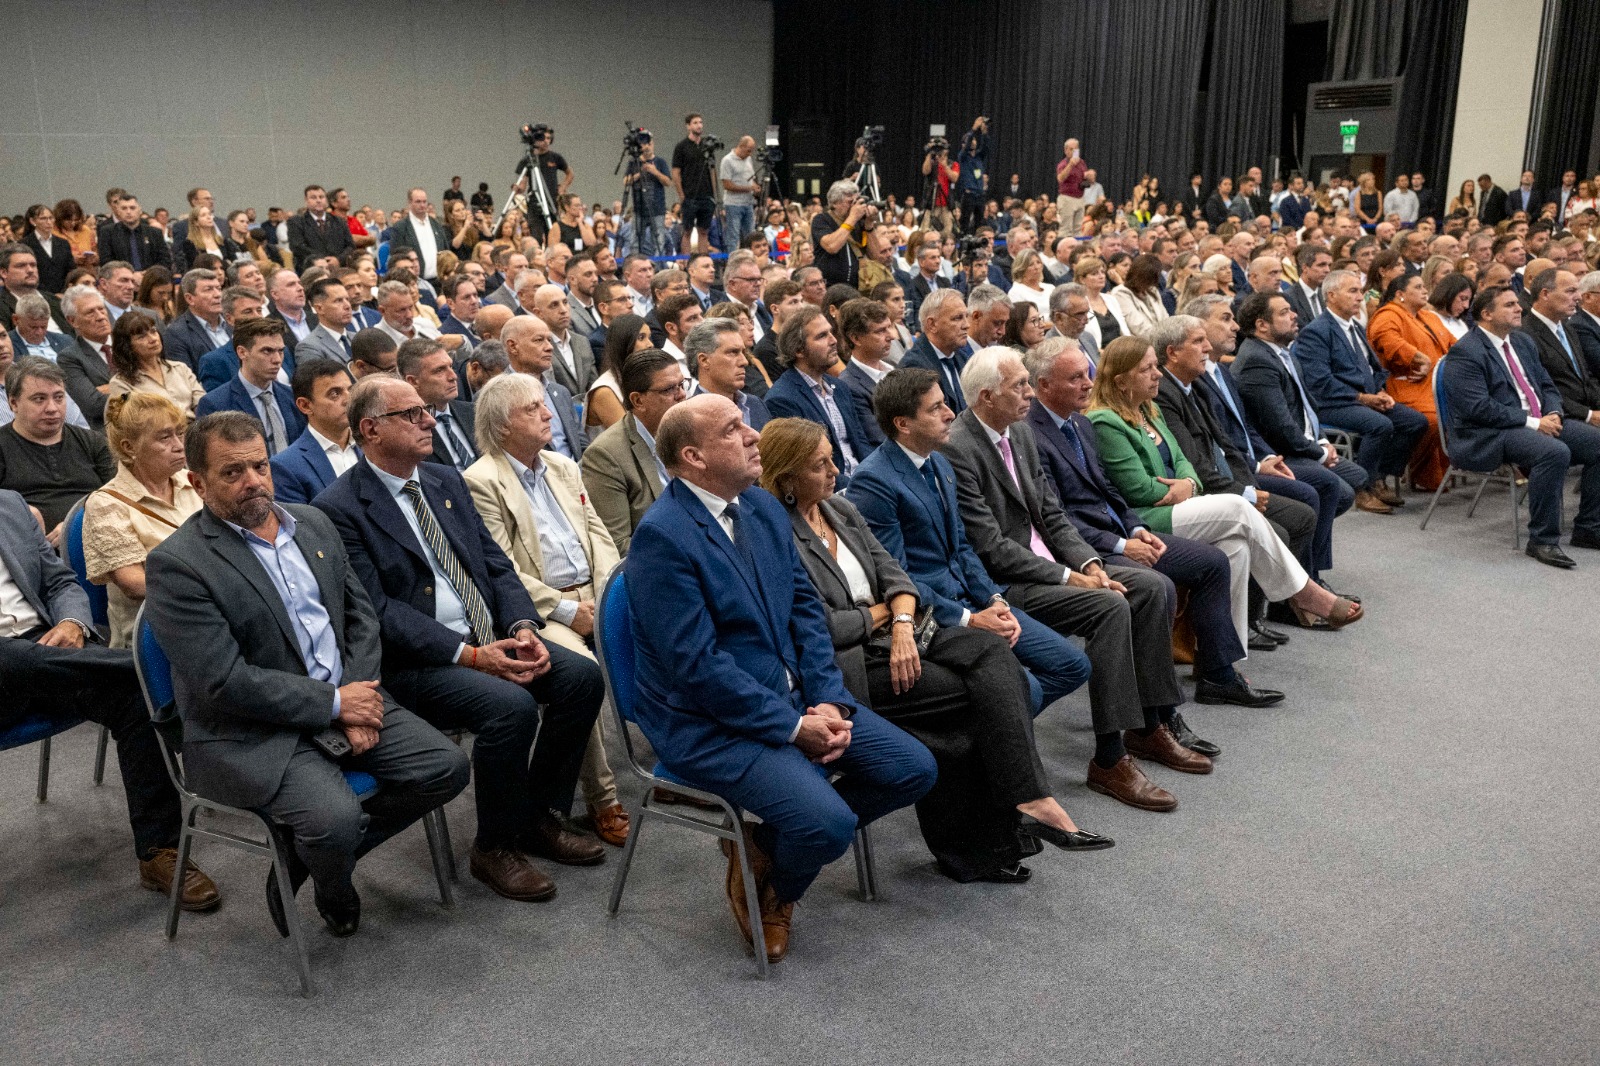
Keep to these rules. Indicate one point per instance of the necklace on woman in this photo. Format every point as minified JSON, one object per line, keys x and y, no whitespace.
{"x":820,"y":527}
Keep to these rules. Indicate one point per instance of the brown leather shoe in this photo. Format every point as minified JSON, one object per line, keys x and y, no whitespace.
{"x":511,"y":874}
{"x":775,"y":921}
{"x":669,"y":797}
{"x":610,"y":824}
{"x":733,"y":884}
{"x":1386,"y":492}
{"x":1162,"y":747}
{"x":1126,"y":782}
{"x":1367,"y":500}
{"x":199,"y":893}
{"x":550,"y":841}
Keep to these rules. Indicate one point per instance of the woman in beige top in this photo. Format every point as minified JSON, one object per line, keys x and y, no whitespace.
{"x":148,"y":499}
{"x":139,"y":367}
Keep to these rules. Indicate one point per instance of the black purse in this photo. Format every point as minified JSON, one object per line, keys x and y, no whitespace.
{"x":923,"y":627}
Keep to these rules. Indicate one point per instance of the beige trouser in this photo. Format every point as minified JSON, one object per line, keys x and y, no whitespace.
{"x":1070,"y":210}
{"x":595,"y":778}
{"x":1230,"y":524}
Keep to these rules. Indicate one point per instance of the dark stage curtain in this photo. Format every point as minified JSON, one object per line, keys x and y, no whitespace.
{"x":1367,"y":38}
{"x":1123,"y":76}
{"x":1427,"y":120}
{"x":1568,"y":111}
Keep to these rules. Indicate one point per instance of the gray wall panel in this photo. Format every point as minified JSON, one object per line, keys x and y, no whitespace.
{"x":257,"y":98}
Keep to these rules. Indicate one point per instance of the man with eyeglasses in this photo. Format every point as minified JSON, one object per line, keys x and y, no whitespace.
{"x":610,"y":301}
{"x":460,"y":639}
{"x":1069,"y":318}
{"x":741,"y":280}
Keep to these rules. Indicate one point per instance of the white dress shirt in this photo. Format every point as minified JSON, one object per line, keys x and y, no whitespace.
{"x":1500,"y":347}
{"x":17,"y":615}
{"x":427,"y":247}
{"x":341,"y":459}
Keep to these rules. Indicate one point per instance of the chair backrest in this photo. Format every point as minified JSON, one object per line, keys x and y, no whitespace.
{"x":382,"y":258}
{"x":613,"y":638}
{"x":1441,"y":400}
{"x":154,"y":669}
{"x":72,"y":548}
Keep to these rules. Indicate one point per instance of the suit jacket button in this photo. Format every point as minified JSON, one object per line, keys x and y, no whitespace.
{"x":428,"y":590}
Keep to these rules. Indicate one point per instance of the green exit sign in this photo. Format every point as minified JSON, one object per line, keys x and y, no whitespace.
{"x":1348,"y":130}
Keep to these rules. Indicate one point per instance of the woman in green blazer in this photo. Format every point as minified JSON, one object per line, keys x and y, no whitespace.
{"x":1150,"y":470}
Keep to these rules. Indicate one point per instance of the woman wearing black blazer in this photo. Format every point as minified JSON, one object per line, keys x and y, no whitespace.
{"x":966,"y":697}
{"x":56,"y":263}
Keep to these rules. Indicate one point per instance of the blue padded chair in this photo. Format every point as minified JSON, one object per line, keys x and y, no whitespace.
{"x":155,"y":679}
{"x":614,"y":643}
{"x":38,"y":730}
{"x":1504,"y":474}
{"x":99,"y":614}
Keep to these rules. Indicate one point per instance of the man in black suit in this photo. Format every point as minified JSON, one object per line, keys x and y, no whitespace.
{"x":50,"y":249}
{"x":1070,"y":460}
{"x":1492,"y":208}
{"x":87,"y":365}
{"x":1525,"y":197}
{"x":460,"y":639}
{"x":315,"y":234}
{"x":1194,"y":198}
{"x":1555,"y":303}
{"x":1428,"y":204}
{"x":19,"y":274}
{"x":1220,"y":203}
{"x":201,"y":329}
{"x":943,"y":346}
{"x":1584,"y":326}
{"x":422,"y":233}
{"x":1312,"y":262}
{"x":925,"y":280}
{"x":424,"y":364}
{"x":279,"y":670}
{"x":136,"y":243}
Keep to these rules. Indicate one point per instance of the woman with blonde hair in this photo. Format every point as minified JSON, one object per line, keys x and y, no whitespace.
{"x":1028,"y":284}
{"x":149,"y":498}
{"x":1105,"y":317}
{"x":960,"y":690}
{"x":1142,"y":459}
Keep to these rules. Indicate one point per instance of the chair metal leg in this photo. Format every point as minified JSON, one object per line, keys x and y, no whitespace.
{"x":185,"y":839}
{"x":1516,"y":525}
{"x":621,"y":879}
{"x":432,"y":826}
{"x":1436,"y":494}
{"x":296,"y":935}
{"x":449,"y":848}
{"x":866,"y":875}
{"x":44,"y":770}
{"x":100,"y":756}
{"x":758,"y":937}
{"x":1483,"y":483}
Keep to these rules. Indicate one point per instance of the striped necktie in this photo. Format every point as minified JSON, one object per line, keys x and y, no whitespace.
{"x":471,"y":601}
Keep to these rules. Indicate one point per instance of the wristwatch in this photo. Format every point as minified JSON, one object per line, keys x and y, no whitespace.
{"x":906,"y":618}
{"x":1001,"y":600}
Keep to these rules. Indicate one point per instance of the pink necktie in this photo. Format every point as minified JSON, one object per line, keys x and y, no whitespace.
{"x":1035,"y":541}
{"x":1522,"y":383}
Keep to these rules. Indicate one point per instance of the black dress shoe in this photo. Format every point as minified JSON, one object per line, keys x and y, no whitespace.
{"x":1186,"y":736}
{"x":1550,"y":555}
{"x":1261,"y":629}
{"x":1239,"y":694}
{"x":1076,"y":840}
{"x":1585,"y":540}
{"x":342,"y":919}
{"x":1258,"y":642}
{"x":1015,"y":874}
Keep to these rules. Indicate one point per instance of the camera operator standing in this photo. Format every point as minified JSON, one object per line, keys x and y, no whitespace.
{"x":937,"y":175}
{"x":691,"y":177}
{"x":739,"y":188}
{"x":649,"y":198}
{"x":835,"y":241}
{"x":548,"y":168}
{"x":972,"y":164}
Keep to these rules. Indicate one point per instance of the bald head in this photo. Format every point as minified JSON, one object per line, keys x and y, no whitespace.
{"x":551,"y":304}
{"x":704,"y":441}
{"x":528,"y":344}
{"x":490,"y":320}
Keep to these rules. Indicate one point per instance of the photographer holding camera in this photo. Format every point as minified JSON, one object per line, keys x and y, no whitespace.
{"x":691,"y":177}
{"x":836,"y":238}
{"x":649,"y":179}
{"x":972,"y":164}
{"x":739,"y":188}
{"x":937,"y":175}
{"x":551,"y":171}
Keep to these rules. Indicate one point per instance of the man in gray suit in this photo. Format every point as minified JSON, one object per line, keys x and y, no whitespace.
{"x":1069,"y":317}
{"x":531,"y":351}
{"x":1030,"y":547}
{"x":277,"y":685}
{"x":620,"y":469}
{"x":510,"y":265}
{"x":331,"y":338}
{"x":573,"y":363}
{"x":87,"y":365}
{"x":52,"y":664}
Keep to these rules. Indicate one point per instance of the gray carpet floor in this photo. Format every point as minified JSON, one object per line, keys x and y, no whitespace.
{"x":1397,"y":865}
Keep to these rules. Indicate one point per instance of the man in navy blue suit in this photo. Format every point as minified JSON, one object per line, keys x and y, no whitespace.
{"x":1070,"y":459}
{"x":460,"y":639}
{"x":201,"y":328}
{"x":738,"y":689}
{"x":943,"y":346}
{"x":1345,"y":382}
{"x":324,"y":451}
{"x":255,"y":389}
{"x":1501,"y":407}
{"x":809,"y":349}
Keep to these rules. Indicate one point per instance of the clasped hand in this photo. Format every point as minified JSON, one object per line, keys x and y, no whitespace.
{"x":824,"y":733}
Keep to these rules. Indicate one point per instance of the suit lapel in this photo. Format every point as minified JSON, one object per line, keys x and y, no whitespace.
{"x":937,"y":518}
{"x":712,"y":530}
{"x":237,"y":554}
{"x":521,"y":511}
{"x":646,"y":461}
{"x":385,"y":513}
{"x":814,"y":545}
{"x":330,"y":580}
{"x":992,"y":458}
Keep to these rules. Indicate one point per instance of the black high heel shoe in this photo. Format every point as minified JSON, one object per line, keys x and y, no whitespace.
{"x":1076,"y":840}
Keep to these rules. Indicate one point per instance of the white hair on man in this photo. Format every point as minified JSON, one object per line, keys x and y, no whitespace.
{"x":495,"y":404}
{"x":983,"y":371}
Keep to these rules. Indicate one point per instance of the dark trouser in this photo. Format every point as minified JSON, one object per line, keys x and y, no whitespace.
{"x":808,"y":821}
{"x":97,"y":684}
{"x":513,"y":790}
{"x":1203,"y":570}
{"x":971,"y":211}
{"x":1302,"y":540}
{"x":1336,"y":489}
{"x":1547,"y":459}
{"x":1128,"y":640}
{"x":972,"y":709}
{"x":417,"y":769}
{"x":1387,"y":437}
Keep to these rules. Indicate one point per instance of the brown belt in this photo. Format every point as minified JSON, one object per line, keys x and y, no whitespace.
{"x":574,"y":588}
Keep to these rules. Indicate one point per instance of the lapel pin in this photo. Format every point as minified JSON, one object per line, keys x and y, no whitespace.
{"x":319,"y":555}
{"x":447,"y":505}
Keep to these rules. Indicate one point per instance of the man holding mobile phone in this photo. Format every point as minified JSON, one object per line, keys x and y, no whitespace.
{"x":1070,"y":180}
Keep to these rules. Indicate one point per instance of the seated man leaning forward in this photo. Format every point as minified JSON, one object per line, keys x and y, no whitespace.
{"x":739,"y":691}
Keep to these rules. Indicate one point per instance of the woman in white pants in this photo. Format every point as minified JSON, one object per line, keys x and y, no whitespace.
{"x":1141,"y":458}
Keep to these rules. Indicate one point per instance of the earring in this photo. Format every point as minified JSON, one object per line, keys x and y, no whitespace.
{"x":788,"y":498}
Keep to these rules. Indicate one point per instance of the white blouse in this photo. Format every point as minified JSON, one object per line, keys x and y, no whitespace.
{"x":854,"y":575}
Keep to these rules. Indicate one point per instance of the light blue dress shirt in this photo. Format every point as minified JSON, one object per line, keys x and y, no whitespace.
{"x":565,"y":563}
{"x":447,"y":608}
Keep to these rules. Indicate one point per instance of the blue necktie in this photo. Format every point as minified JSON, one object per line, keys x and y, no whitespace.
{"x":958,"y":402}
{"x":932,"y":478}
{"x":346,"y":342}
{"x":1561,"y":335}
{"x":1083,"y":458}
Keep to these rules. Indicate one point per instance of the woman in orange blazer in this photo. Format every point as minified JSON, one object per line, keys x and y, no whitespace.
{"x":1410,"y":346}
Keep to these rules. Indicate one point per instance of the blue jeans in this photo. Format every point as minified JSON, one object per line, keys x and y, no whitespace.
{"x":741,"y":219}
{"x":652,"y":231}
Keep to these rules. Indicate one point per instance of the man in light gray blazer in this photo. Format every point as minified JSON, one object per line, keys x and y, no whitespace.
{"x":279,"y":664}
